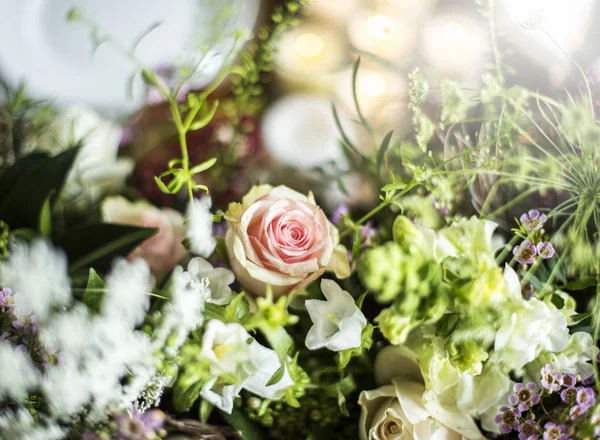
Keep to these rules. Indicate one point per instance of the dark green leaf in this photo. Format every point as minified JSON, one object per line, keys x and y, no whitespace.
{"x":248,"y":429}
{"x":581,"y":283}
{"x":580,"y":317}
{"x":99,"y":243}
{"x":22,"y":202}
{"x":558,"y":301}
{"x":277,"y":376}
{"x":385,"y":144}
{"x":21,"y":168}
{"x":186,"y":392}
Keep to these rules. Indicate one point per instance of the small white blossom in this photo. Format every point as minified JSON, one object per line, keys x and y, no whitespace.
{"x":221,"y":396}
{"x":337,"y":322}
{"x":533,"y":327}
{"x":153,"y":392}
{"x":20,"y":425}
{"x":38,"y":272}
{"x":183,"y":313}
{"x":219,"y":279}
{"x":226,"y":346}
{"x":266,"y":362}
{"x":128,"y":288}
{"x":17,"y":372}
{"x":199,"y":227}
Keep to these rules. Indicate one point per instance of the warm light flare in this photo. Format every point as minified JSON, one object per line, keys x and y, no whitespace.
{"x":372,"y":84}
{"x":456,"y":33}
{"x":381,"y":26}
{"x":309,"y":45}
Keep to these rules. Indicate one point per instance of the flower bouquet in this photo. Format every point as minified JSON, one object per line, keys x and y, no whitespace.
{"x":459,"y":302}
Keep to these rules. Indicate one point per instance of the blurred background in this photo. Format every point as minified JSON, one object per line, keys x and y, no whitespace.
{"x":288,"y":132}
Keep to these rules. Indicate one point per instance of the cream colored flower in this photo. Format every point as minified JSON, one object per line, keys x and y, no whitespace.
{"x":281,"y":238}
{"x":161,"y":251}
{"x":97,"y":170}
{"x":397,"y":410}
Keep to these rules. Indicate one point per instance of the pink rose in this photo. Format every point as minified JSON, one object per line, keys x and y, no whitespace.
{"x":281,"y":238}
{"x":163,"y":250}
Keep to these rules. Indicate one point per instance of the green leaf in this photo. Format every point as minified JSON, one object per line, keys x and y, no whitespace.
{"x":31,"y":181}
{"x":361,"y":300}
{"x":580,"y":317}
{"x":205,"y":410}
{"x":143,"y":35}
{"x":342,"y":402}
{"x":356,"y":244}
{"x":98,"y":244}
{"x":558,"y":301}
{"x":393,"y":186}
{"x":279,"y":340}
{"x":362,"y":118}
{"x":248,"y":429}
{"x":237,"y":309}
{"x":581,"y":283}
{"x":45,"y":223}
{"x":346,"y":140}
{"x":186,"y":392}
{"x":161,"y":185}
{"x":203,"y":166}
{"x":277,"y":376}
{"x":23,"y":166}
{"x":94,"y":292}
{"x":205,"y":120}
{"x":385,"y":144}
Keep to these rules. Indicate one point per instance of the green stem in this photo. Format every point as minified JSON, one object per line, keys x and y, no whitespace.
{"x":597,"y":328}
{"x":497,"y":57}
{"x":378,"y":208}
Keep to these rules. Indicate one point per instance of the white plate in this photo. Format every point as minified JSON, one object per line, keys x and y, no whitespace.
{"x":55,"y":56}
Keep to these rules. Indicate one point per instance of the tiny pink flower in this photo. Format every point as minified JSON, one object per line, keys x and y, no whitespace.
{"x":533,"y":220}
{"x":545,"y":249}
{"x":525,"y":252}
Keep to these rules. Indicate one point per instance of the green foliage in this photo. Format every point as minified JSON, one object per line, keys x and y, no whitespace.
{"x":97,"y":244}
{"x":257,"y":60}
{"x":455,"y":103}
{"x":239,"y":421}
{"x":22,"y":121}
{"x":392,"y":273}
{"x":36,"y":179}
{"x":4,"y":240}
{"x":317,"y":412}
{"x":366,"y":340}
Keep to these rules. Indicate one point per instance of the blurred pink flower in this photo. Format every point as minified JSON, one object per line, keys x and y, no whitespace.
{"x":161,"y":251}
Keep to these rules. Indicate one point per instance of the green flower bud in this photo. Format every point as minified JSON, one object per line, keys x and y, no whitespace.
{"x":394,"y":327}
{"x":379,"y":271}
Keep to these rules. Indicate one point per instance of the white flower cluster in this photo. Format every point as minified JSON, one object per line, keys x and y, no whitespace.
{"x":103,"y":364}
{"x":39,"y":273}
